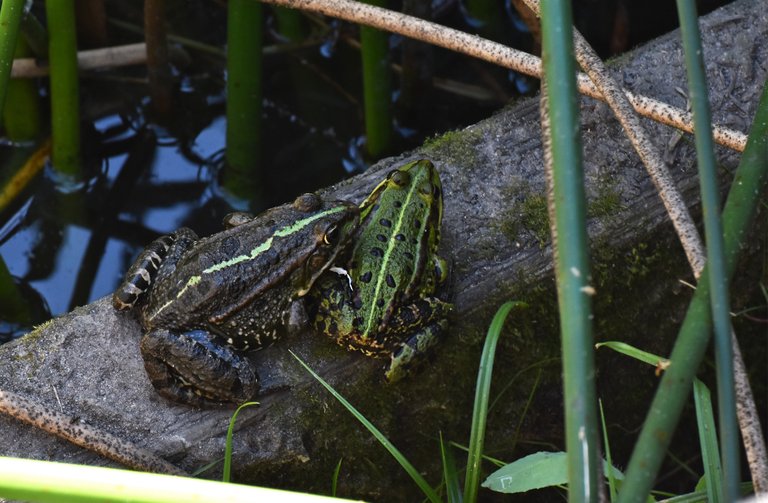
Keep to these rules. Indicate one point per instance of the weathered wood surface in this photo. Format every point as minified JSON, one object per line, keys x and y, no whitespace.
{"x":87,"y":363}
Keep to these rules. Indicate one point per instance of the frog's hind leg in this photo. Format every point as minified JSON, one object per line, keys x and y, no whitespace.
{"x":427,"y":318}
{"x":144,"y":270}
{"x":194,"y":368}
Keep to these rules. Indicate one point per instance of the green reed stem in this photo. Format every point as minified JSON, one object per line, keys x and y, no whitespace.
{"x":291,"y":23}
{"x":675,"y":387}
{"x":22,"y":113}
{"x":242,"y":175}
{"x":571,"y":254}
{"x":11,"y":12}
{"x":713,"y":231}
{"x":65,"y":106}
{"x":377,"y":88}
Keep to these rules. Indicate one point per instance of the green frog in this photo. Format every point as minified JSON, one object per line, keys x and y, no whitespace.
{"x":204,"y":302}
{"x":383,"y":303}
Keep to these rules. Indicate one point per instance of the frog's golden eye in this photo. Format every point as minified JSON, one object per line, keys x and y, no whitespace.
{"x":331,"y":235}
{"x":398,"y":177}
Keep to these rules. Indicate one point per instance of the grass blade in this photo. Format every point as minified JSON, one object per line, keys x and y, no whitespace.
{"x":383,"y":440}
{"x":708,"y":439}
{"x":482,"y":393}
{"x":335,"y":479}
{"x":450,"y":474}
{"x":228,"y":445}
{"x":607,"y":447}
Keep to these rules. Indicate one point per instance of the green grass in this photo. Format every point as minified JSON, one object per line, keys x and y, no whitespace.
{"x":477,"y":435}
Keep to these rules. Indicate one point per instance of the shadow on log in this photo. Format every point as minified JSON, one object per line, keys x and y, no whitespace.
{"x":495,"y":236}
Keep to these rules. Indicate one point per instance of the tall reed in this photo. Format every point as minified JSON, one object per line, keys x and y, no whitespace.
{"x":65,"y":104}
{"x":243,"y":173}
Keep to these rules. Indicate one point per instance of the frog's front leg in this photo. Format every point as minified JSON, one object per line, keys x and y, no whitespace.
{"x":197,"y":369}
{"x":161,"y":251}
{"x":425,"y":322}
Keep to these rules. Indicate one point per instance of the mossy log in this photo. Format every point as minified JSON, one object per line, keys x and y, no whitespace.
{"x":495,"y":237}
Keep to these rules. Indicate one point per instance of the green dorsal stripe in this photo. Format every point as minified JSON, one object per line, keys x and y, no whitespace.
{"x":261,"y":248}
{"x":385,"y":260}
{"x":266,"y":245}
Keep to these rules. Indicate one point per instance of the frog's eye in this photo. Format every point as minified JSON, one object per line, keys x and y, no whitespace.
{"x":307,"y":202}
{"x":398,"y":177}
{"x":331,"y":235}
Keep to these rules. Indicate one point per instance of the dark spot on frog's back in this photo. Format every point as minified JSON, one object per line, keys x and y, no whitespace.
{"x":381,"y":237}
{"x":400,"y":237}
{"x":385,"y":222}
{"x":391,"y":281}
{"x":377,"y":252}
{"x":366,"y":277}
{"x":229,"y":245}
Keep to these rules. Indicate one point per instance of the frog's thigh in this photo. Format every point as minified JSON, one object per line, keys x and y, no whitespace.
{"x":193,"y":368}
{"x":415,"y":350}
{"x":427,"y":319}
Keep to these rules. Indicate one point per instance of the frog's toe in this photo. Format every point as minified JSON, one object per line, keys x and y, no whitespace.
{"x":191,"y":368}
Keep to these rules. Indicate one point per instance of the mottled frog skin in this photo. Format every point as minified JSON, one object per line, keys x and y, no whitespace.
{"x":203,"y":302}
{"x":384,"y":303}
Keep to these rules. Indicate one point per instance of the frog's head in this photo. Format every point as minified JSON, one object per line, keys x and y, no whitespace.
{"x":332,"y":232}
{"x":421,"y":175}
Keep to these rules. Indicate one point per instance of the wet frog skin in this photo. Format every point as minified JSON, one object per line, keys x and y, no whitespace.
{"x":385,"y":304}
{"x":203,"y":302}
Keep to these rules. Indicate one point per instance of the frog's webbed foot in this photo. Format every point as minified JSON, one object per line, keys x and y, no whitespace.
{"x":428,"y":319}
{"x":193,"y":368}
{"x":144,"y":270}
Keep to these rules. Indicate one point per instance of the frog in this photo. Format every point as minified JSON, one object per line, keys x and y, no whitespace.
{"x":382,"y":299}
{"x":204,"y":303}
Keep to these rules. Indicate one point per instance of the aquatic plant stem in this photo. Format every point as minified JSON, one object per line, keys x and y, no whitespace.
{"x":158,"y":67}
{"x":747,"y":188}
{"x":11,"y":12}
{"x":242,"y":174}
{"x":713,"y":229}
{"x":377,"y":88}
{"x":65,"y":106}
{"x":497,"y":54}
{"x":567,"y":209}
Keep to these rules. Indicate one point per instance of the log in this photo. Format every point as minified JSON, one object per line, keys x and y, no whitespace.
{"x":87,"y":365}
